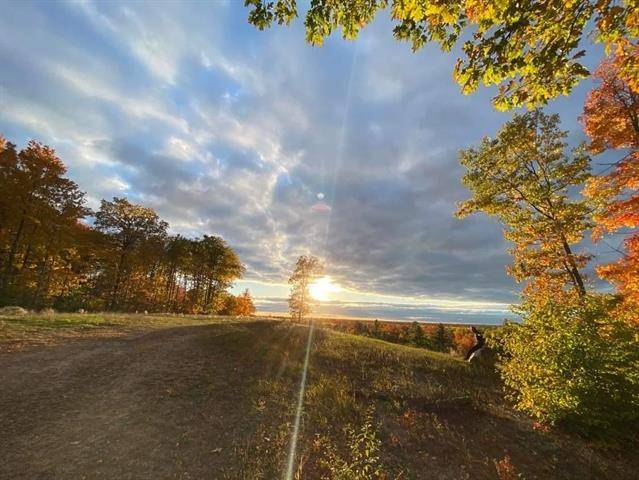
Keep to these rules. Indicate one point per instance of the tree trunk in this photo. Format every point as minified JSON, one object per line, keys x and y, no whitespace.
{"x":14,"y":248}
{"x":302,"y":304}
{"x":116,"y":285}
{"x":573,"y":270}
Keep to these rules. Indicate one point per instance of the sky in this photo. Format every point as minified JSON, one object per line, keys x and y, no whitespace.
{"x":347,"y":152}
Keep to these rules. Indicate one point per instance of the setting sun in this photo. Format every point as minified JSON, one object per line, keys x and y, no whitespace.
{"x":322,"y":287}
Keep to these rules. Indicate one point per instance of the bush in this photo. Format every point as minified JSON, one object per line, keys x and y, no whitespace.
{"x":572,"y":363}
{"x":363,"y":461}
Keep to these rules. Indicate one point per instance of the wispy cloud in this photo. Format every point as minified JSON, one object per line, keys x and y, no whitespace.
{"x":231,"y":131}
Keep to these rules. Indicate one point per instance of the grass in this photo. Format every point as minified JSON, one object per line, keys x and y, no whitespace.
{"x":372,"y":409}
{"x":431,"y":413}
{"x":32,"y":329}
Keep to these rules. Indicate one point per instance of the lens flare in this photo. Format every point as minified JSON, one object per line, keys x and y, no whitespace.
{"x":290,"y":464}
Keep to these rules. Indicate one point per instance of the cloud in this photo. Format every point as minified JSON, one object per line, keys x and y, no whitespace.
{"x":348,"y":152}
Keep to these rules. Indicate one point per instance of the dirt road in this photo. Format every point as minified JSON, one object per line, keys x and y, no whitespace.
{"x":167,"y":403}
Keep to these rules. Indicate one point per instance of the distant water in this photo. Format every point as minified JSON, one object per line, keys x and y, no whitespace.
{"x":383,"y":311}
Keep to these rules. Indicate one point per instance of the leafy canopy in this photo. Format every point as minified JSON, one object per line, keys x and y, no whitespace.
{"x":40,"y":213}
{"x":125,"y":261}
{"x":128,"y":223}
{"x":531,"y":49}
{"x":611,"y":121}
{"x":523,"y":177}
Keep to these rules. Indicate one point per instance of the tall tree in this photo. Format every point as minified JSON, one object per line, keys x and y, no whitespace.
{"x":306,"y":269}
{"x":611,"y":121}
{"x":221,"y":267}
{"x":415,"y":335}
{"x":523,"y":177}
{"x":530,"y":48}
{"x":39,"y":213}
{"x":130,"y":228}
{"x":442,"y":340}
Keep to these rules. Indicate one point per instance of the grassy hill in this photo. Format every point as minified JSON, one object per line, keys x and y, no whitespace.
{"x":135,"y":396}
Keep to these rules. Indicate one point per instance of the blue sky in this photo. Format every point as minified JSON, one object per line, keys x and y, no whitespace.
{"x":348,"y":151}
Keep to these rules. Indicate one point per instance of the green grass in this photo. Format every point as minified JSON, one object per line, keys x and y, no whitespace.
{"x":370,"y":406}
{"x":92,"y":320}
{"x":18,"y":332}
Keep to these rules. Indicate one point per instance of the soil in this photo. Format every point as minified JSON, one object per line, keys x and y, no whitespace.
{"x":165,"y":403}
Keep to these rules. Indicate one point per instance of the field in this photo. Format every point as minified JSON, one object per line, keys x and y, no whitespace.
{"x":137,"y":396}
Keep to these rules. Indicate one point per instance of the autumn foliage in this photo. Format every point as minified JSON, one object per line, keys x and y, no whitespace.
{"x":573,"y":360}
{"x":238,"y":305}
{"x":51,"y":256}
{"x":531,"y":50}
{"x":574,"y":363}
{"x":524,"y":177}
{"x":611,"y":121}
{"x":437,"y":337}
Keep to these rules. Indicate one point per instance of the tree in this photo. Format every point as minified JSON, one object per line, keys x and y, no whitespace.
{"x":175,"y":259}
{"x":523,"y":177}
{"x":129,"y":228}
{"x":222,"y":267}
{"x":240,"y":305}
{"x":415,"y":335}
{"x":359,"y":328}
{"x":574,"y":363}
{"x":376,"y":332}
{"x":611,"y":121}
{"x":442,"y":341}
{"x":299,"y":301}
{"x":531,"y":48}
{"x":245,"y":304}
{"x":40,"y":210}
{"x":49,"y":257}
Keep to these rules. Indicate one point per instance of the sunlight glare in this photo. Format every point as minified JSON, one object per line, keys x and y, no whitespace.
{"x":322,"y":287}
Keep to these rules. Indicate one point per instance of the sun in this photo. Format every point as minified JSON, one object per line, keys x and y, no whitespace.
{"x":322,"y":287}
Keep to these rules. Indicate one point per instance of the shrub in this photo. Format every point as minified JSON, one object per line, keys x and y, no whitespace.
{"x":240,"y":305}
{"x":363,"y":462}
{"x":505,"y":469}
{"x":572,"y":363}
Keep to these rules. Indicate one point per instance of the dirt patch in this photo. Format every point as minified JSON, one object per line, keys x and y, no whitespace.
{"x":160,"y":404}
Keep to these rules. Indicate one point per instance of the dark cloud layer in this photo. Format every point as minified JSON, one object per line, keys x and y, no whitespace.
{"x":348,"y":152}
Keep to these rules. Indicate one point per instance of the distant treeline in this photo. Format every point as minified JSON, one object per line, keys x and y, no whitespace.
{"x":437,"y":337}
{"x":125,"y":260}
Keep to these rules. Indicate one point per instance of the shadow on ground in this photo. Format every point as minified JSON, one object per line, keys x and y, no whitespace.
{"x":216,"y":401}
